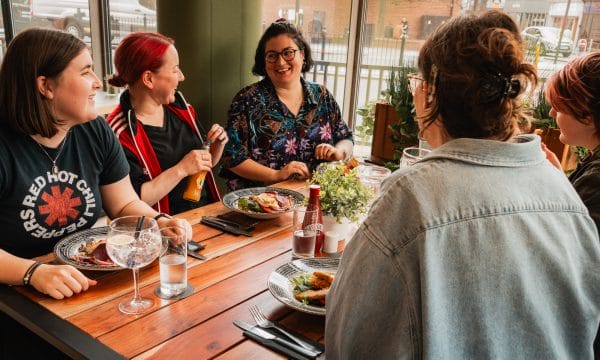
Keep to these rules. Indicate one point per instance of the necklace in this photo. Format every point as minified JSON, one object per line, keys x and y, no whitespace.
{"x":60,"y":149}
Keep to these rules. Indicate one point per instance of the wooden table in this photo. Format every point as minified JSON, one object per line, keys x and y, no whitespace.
{"x":89,"y":325}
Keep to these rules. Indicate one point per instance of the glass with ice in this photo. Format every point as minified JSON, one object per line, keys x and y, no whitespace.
{"x":134,"y":242}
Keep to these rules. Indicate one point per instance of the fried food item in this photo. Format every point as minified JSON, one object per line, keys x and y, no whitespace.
{"x":271,"y":201}
{"x":321,"y":280}
{"x":315,"y":287}
{"x":311,"y":296}
{"x":350,"y":164}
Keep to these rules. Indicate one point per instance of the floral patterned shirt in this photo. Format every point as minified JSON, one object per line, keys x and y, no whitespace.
{"x":260,"y":127}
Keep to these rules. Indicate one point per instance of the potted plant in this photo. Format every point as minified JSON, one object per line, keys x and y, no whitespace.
{"x":344,"y":199}
{"x":395,"y":126}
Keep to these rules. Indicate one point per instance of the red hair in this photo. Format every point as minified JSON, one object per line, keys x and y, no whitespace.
{"x":138,"y":52}
{"x":575,"y":89}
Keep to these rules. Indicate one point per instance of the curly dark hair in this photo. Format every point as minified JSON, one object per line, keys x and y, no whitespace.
{"x":475,"y":70}
{"x":275,"y":29}
{"x":575,"y":89}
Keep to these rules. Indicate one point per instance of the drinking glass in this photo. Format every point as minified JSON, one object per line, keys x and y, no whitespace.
{"x":411,"y":155}
{"x":134,"y":242}
{"x":173,"y":262}
{"x":304,"y":227}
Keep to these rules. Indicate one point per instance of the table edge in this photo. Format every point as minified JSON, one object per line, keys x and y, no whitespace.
{"x":61,"y":334}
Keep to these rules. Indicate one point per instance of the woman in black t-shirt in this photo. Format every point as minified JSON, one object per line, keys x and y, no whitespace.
{"x":60,"y":165}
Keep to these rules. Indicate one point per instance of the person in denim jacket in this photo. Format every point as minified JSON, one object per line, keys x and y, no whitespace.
{"x":482,"y":249}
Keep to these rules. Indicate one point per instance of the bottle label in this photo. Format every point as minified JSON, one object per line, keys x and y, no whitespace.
{"x":316,"y":227}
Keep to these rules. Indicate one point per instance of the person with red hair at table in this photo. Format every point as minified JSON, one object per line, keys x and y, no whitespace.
{"x":159,"y":131}
{"x":574,"y":93}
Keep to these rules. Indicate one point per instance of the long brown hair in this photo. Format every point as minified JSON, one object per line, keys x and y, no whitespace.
{"x":575,"y":89}
{"x":475,"y":70}
{"x":33,"y":53}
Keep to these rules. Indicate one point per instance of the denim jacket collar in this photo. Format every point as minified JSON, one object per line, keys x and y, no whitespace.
{"x":492,"y":152}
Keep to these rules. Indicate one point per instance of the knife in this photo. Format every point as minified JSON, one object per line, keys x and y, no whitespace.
{"x":266,"y":335}
{"x":196,"y":255}
{"x":225,"y":227}
{"x":230,"y":222}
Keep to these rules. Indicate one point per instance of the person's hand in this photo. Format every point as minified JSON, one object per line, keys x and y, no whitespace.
{"x":164,"y":222}
{"x":294,"y":168}
{"x":195,"y":161}
{"x":328,"y":152}
{"x":551,"y":157}
{"x":217,"y":135}
{"x":59,"y":281}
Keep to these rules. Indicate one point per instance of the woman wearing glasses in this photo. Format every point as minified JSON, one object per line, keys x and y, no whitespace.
{"x":482,"y":249}
{"x":283,"y":125}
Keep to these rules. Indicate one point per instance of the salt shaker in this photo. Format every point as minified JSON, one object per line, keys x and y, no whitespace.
{"x":330,"y":244}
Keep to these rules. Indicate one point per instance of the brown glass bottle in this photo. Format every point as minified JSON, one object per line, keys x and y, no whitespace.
{"x":314,"y":203}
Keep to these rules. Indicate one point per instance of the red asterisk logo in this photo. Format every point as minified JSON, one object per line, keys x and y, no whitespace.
{"x":59,"y":206}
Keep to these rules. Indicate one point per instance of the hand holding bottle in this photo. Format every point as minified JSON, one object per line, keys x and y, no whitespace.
{"x":203,"y":160}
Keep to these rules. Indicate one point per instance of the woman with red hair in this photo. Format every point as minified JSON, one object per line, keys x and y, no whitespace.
{"x":157,"y":128}
{"x":574,"y":93}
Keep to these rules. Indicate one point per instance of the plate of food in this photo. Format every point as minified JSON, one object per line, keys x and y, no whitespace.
{"x":262,"y":202}
{"x":86,"y":250}
{"x":303,"y":284}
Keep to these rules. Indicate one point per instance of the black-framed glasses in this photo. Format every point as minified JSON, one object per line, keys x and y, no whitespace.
{"x":413,"y":82}
{"x":288,"y":54}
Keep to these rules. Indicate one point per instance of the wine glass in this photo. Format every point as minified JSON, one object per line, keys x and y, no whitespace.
{"x":134,"y":242}
{"x":411,"y":155}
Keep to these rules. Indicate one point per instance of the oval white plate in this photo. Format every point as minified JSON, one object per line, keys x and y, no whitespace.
{"x":230,"y":200}
{"x":280,"y":284}
{"x":66,"y":249}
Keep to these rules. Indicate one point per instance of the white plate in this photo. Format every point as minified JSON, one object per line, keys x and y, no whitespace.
{"x":66,"y":249}
{"x":280,"y":284}
{"x":230,"y":200}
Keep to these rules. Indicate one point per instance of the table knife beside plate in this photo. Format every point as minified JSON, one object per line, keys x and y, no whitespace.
{"x":225,"y":227}
{"x":268,"y":336}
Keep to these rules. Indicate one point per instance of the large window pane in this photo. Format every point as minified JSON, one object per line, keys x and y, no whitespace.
{"x":126,"y":16}
{"x":326,"y":26}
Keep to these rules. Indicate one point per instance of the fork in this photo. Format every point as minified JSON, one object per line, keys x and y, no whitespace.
{"x":263,"y":322}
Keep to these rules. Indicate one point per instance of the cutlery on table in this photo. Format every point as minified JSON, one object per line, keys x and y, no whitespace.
{"x":263,"y":322}
{"x":257,"y":331}
{"x":193,"y":248}
{"x":219,"y":224}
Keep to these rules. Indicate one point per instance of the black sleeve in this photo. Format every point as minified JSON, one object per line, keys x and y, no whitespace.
{"x":136,"y":174}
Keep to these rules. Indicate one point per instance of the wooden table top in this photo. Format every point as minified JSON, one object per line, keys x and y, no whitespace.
{"x":233,"y":278}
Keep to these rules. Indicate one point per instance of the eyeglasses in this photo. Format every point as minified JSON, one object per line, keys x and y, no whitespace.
{"x":288,"y":54}
{"x":413,"y":82}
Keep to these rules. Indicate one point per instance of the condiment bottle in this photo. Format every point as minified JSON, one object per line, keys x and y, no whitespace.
{"x":314,"y":203}
{"x":193,"y":190}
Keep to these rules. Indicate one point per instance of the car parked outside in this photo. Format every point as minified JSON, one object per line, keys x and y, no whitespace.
{"x":547,"y":37}
{"x":73,"y":16}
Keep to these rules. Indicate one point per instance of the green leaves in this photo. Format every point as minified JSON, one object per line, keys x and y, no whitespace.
{"x":342,"y":193}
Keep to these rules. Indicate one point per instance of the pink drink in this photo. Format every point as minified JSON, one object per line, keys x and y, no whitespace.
{"x":303,"y":245}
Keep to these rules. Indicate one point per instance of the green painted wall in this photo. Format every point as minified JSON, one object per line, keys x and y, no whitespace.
{"x":216,"y":41}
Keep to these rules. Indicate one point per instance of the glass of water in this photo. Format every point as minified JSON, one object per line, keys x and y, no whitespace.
{"x":304,"y":227}
{"x":173,"y":262}
{"x":411,"y":155}
{"x":134,"y":242}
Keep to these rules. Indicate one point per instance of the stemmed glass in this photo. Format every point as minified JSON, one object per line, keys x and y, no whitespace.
{"x":134,"y":242}
{"x":411,"y":155}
